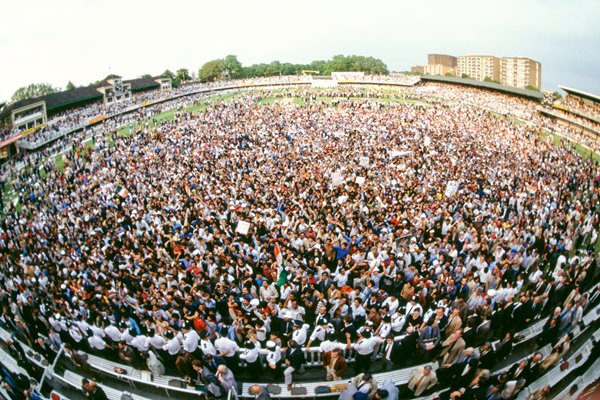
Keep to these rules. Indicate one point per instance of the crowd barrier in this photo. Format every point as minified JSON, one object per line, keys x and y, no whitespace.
{"x":133,"y":377}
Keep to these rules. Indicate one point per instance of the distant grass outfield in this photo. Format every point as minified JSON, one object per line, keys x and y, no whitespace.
{"x":269,"y":100}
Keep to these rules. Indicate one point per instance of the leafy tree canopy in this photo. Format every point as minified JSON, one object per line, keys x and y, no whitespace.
{"x":33,"y":90}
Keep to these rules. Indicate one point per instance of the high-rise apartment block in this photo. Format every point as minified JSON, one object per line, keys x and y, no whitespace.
{"x":521,"y":72}
{"x":478,"y":67}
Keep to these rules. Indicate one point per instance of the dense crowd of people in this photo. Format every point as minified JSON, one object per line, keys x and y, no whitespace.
{"x":252,"y":232}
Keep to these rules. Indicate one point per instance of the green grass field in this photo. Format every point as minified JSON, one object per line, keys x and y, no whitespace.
{"x":202,"y":106}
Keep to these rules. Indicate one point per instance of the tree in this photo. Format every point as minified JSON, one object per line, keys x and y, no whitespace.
{"x":183,"y":75}
{"x":465,"y":76}
{"x":488,"y":79}
{"x":531,"y":87}
{"x":169,"y":74}
{"x":369,"y":65}
{"x":70,"y":86}
{"x":211,"y":71}
{"x":273,"y":69}
{"x":146,"y":76}
{"x":33,"y":90}
{"x":232,"y":68}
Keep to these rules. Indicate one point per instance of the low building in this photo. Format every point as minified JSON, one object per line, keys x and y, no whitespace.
{"x":31,"y":113}
{"x":442,"y":59}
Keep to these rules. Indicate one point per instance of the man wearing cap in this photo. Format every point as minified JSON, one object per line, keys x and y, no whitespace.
{"x":251,"y":356}
{"x":299,"y":333}
{"x":206,"y":345}
{"x":155,"y":341}
{"x":228,"y":349}
{"x":172,"y":347}
{"x":190,"y":339}
{"x":97,"y":345}
{"x":364,"y":348}
{"x":274,"y":359}
{"x":320,"y":332}
{"x":413,"y":305}
{"x":140,"y":342}
{"x":385,"y":328}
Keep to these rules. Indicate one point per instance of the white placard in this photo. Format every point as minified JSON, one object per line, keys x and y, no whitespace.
{"x":364,"y":161}
{"x":360,"y":180}
{"x":451,"y":188}
{"x":242,"y":227}
{"x":336,"y":179}
{"x":427,"y":141}
{"x":398,"y":153}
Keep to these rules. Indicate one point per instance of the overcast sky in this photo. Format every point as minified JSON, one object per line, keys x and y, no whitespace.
{"x":85,"y":40}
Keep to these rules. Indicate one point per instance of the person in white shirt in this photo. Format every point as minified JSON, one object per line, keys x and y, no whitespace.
{"x":385,"y":327}
{"x":155,"y":340}
{"x":97,"y":344}
{"x":398,"y":320}
{"x":75,"y":333}
{"x":206,"y":345}
{"x":251,"y":355}
{"x":190,"y":338}
{"x":412,"y":305}
{"x":267,"y":291}
{"x":320,"y":332}
{"x":294,"y":310}
{"x":125,"y":335}
{"x":228,"y":349}
{"x":113,"y":333}
{"x":364,"y":348}
{"x":299,"y":334}
{"x":341,"y":278}
{"x":274,"y":360}
{"x":140,"y":342}
{"x":172,"y":347}
{"x":392,"y":303}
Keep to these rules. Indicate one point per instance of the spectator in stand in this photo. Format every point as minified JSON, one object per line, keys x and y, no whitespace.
{"x":421,"y":380}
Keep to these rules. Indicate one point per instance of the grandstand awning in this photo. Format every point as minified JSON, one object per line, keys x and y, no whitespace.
{"x":580,"y":93}
{"x":531,"y":94}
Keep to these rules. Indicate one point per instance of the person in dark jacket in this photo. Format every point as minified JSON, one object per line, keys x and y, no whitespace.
{"x":259,"y":392}
{"x":95,"y":392}
{"x":294,"y":359}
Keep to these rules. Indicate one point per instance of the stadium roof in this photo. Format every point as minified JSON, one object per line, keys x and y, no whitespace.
{"x":580,"y":93}
{"x":79,"y":95}
{"x":532,"y":94}
{"x":143,"y":83}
